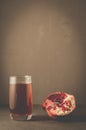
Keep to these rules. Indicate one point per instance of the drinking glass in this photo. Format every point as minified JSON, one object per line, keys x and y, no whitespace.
{"x":20,"y":97}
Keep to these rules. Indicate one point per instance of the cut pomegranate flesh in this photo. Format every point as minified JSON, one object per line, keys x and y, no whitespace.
{"x":59,"y":104}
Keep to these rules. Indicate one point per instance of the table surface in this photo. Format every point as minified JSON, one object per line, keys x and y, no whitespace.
{"x":41,"y":121}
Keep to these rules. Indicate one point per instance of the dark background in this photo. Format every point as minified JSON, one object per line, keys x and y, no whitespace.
{"x":45,"y":39}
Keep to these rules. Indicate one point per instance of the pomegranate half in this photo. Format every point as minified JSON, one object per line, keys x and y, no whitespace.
{"x":59,"y":104}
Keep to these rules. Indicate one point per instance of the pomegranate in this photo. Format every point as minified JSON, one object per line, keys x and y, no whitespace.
{"x":59,"y":104}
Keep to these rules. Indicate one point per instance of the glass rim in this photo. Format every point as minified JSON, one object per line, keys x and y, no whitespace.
{"x":20,"y":79}
{"x":17,"y":76}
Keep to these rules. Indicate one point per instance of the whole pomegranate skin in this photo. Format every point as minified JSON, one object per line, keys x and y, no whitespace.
{"x":59,"y":104}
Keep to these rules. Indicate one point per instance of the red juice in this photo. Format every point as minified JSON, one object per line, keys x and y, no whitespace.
{"x":20,"y":100}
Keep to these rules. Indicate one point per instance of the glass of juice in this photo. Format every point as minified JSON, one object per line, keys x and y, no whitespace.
{"x":20,"y":97}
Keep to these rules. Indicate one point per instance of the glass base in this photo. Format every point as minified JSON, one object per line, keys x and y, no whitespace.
{"x":20,"y":117}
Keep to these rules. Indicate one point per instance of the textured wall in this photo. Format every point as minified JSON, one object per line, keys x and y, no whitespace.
{"x":45,"y":39}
